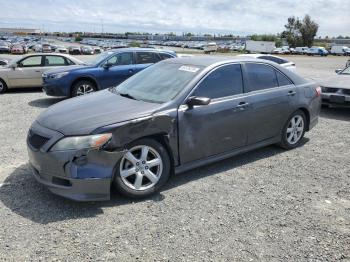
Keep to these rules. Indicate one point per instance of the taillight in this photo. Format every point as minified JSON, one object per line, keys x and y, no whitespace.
{"x":318,"y":91}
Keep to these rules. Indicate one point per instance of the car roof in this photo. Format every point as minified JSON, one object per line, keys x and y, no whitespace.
{"x":212,"y":60}
{"x":140,"y":49}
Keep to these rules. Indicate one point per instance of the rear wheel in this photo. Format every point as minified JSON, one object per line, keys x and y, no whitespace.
{"x":83,"y":87}
{"x":143,"y":169}
{"x":3,"y":86}
{"x":294,"y":130}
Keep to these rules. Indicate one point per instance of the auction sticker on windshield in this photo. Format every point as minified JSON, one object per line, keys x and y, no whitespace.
{"x":191,"y":69}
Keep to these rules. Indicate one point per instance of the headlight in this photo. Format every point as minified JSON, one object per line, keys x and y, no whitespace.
{"x":81,"y":142}
{"x":55,"y":76}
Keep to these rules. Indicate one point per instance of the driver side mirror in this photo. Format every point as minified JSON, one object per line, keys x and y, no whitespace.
{"x":338,"y":71}
{"x":13,"y":66}
{"x":197,"y":101}
{"x":107,"y":65}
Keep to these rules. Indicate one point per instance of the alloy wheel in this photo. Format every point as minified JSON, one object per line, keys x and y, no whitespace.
{"x":141,"y":168}
{"x":84,"y":89}
{"x":295,"y":129}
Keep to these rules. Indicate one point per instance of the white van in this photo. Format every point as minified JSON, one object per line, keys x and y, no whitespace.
{"x":210,"y":47}
{"x":339,"y":50}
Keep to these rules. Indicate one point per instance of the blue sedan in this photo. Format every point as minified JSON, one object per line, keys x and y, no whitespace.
{"x":108,"y":69}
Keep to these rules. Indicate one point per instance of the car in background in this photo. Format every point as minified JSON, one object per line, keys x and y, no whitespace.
{"x":4,"y":49}
{"x":210,"y":47}
{"x":74,"y":50}
{"x":97,"y":50}
{"x":339,"y":50}
{"x":281,"y":50}
{"x":107,"y":70}
{"x":336,"y":89}
{"x":158,"y":122}
{"x":3,"y":62}
{"x":17,"y":49}
{"x":46,"y":48}
{"x":87,"y":50}
{"x":279,"y":60}
{"x":61,"y":49}
{"x":301,"y":50}
{"x":321,"y":51}
{"x":27,"y":70}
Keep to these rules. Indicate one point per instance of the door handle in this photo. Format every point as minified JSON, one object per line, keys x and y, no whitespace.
{"x":37,"y":71}
{"x":291,"y":93}
{"x":242,"y":105}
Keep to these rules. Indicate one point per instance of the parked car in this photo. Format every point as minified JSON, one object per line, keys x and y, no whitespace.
{"x":339,"y":50}
{"x":108,"y":69}
{"x":46,"y":48}
{"x":74,"y":50}
{"x":279,"y":60}
{"x":61,"y":49}
{"x":17,"y":49}
{"x":26,"y":71}
{"x":210,"y":47}
{"x":97,"y":50}
{"x":321,"y":51}
{"x":336,"y":90}
{"x":3,"y":62}
{"x":4,"y":49}
{"x":281,"y":50}
{"x":157,"y":122}
{"x":259,"y":46}
{"x":87,"y":50}
{"x":301,"y":50}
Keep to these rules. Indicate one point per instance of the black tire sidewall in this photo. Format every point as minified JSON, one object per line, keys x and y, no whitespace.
{"x":79,"y":83}
{"x":284,"y":142}
{"x":125,"y":190}
{"x":4,"y":86}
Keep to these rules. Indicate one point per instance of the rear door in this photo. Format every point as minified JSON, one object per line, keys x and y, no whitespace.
{"x":122,"y":68}
{"x":55,"y":61}
{"x":145,"y":59}
{"x":219,"y":127}
{"x":271,"y":96}
{"x":27,"y":73}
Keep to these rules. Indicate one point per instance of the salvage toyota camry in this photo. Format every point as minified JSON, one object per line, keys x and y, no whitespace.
{"x":174,"y":116}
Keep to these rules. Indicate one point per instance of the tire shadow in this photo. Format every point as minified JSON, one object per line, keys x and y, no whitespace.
{"x":342,"y":114}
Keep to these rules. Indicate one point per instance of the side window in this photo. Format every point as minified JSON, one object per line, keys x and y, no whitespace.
{"x":282,"y":79}
{"x":260,"y":76}
{"x":51,"y":60}
{"x":146,"y":58}
{"x":224,"y":81}
{"x":121,"y":59}
{"x":164,"y":56}
{"x":31,"y":61}
{"x":69,"y":62}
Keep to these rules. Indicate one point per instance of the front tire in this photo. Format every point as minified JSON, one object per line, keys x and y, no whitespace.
{"x":294,"y":130}
{"x":143,"y":169}
{"x":83,"y":87}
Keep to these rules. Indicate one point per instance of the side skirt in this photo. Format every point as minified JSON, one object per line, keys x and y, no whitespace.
{"x":218,"y":157}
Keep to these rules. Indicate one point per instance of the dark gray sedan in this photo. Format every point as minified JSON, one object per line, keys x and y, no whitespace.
{"x":173,"y":116}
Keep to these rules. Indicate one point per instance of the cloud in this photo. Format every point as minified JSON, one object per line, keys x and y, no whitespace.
{"x":205,"y":16}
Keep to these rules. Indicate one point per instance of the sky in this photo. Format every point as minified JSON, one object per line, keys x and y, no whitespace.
{"x":161,"y":16}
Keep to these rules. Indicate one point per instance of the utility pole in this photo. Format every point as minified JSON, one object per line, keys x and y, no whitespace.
{"x":102,"y":31}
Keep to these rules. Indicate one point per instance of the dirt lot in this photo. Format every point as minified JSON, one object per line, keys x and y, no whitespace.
{"x":266,"y":205}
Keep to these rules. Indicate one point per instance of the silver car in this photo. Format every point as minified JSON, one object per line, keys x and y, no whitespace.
{"x":26,"y":71}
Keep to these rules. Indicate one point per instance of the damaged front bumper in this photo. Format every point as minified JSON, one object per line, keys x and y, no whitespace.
{"x":81,"y":175}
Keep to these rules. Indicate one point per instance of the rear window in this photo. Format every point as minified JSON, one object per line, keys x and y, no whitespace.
{"x":259,"y":77}
{"x":147,"y":58}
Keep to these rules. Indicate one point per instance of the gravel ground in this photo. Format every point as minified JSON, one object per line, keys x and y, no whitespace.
{"x":266,"y":205}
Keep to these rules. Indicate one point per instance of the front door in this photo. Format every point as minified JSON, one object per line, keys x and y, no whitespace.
{"x":121,"y":67}
{"x":220,"y":126}
{"x":27,"y":73}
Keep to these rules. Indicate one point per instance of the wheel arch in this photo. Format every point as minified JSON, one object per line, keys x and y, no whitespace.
{"x":307,"y":115}
{"x":4,"y":82}
{"x":84,"y":78}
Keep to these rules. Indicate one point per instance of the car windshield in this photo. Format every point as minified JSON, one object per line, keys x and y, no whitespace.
{"x":346,"y":71}
{"x":98,"y":59}
{"x":159,"y":83}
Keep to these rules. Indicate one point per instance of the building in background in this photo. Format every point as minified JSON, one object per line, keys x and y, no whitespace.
{"x":19,"y":31}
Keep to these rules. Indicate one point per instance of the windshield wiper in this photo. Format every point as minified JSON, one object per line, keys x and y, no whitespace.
{"x":127,"y":96}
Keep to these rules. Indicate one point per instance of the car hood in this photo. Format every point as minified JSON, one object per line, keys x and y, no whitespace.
{"x":338,"y":81}
{"x":82,"y":115}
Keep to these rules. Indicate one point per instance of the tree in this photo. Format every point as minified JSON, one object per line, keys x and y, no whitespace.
{"x":308,"y":30}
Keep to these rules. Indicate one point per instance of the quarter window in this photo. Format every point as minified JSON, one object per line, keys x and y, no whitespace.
{"x":260,"y":77}
{"x":146,"y":58}
{"x":31,"y":61}
{"x":282,"y":79}
{"x":164,"y":56}
{"x":224,"y":81}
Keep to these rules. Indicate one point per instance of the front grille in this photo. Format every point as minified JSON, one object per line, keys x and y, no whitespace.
{"x":37,"y":141}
